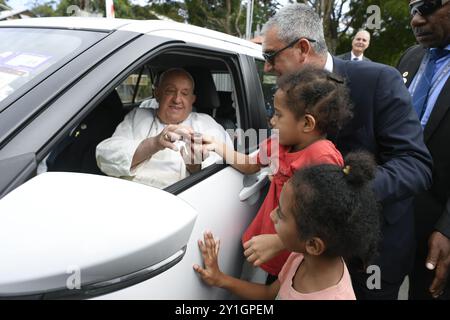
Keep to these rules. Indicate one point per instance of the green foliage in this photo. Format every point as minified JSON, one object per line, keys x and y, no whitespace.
{"x":44,"y":8}
{"x":226,"y":16}
{"x":4,"y":3}
{"x":170,"y":9}
{"x":342,"y":18}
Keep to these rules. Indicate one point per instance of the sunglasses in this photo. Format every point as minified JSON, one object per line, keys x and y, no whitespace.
{"x":425,"y":7}
{"x":270,"y":56}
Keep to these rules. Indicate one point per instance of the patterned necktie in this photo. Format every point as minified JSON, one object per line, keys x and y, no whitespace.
{"x":355,"y":59}
{"x":422,"y":90}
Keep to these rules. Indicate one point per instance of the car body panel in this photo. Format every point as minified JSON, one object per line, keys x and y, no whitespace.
{"x":46,"y":114}
{"x":94,"y":236}
{"x":226,"y":218}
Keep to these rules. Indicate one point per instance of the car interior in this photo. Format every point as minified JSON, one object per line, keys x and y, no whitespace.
{"x":214,"y":89}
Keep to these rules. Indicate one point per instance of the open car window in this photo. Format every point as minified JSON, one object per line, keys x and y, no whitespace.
{"x":77,"y":153}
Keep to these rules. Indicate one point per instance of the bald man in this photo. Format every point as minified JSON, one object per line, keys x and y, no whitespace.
{"x":360,"y":44}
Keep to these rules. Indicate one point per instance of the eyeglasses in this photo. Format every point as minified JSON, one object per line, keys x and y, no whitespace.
{"x":425,"y":7}
{"x":270,"y":56}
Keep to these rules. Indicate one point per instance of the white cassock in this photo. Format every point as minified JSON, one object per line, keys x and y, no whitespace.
{"x":114,"y":155}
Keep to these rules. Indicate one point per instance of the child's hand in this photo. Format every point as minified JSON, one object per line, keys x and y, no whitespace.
{"x":262,"y":248}
{"x":211,"y":274}
{"x":211,"y":144}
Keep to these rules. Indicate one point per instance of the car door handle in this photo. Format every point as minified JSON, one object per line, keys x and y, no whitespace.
{"x":261,"y":180}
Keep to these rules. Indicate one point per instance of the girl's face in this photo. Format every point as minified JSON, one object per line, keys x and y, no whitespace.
{"x":284,"y":221}
{"x":289,"y":128}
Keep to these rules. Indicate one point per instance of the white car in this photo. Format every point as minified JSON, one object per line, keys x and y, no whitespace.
{"x":67,"y":230}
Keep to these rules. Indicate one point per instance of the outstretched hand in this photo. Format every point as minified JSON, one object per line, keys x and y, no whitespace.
{"x":209,"y":249}
{"x":262,"y":248}
{"x":438,"y":259}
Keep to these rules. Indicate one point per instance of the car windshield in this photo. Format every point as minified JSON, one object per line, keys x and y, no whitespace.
{"x":27,"y":54}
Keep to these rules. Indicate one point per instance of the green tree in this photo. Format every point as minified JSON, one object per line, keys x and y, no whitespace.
{"x":228,"y":16}
{"x":4,"y":3}
{"x":390,"y":40}
{"x":122,"y":8}
{"x":332,"y":13}
{"x":43,"y":8}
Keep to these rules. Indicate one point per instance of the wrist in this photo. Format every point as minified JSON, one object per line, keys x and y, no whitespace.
{"x":222,"y":280}
{"x":278,"y":243}
{"x":154,"y":145}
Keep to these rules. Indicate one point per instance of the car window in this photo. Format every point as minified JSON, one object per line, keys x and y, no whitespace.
{"x":268,"y":84}
{"x":222,"y":81}
{"x":137,"y":87}
{"x":27,"y":53}
{"x":133,"y":91}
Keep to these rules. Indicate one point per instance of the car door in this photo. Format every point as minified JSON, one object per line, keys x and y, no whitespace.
{"x":226,"y":202}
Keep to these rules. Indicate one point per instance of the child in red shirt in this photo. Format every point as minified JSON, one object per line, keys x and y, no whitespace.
{"x":308,"y":105}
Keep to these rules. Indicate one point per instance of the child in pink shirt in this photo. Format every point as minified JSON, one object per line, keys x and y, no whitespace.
{"x":326,"y":213}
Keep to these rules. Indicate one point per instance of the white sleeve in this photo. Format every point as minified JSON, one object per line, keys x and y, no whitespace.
{"x":114,"y":155}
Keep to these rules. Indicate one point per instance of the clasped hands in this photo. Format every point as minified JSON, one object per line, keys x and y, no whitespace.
{"x":194,"y":146}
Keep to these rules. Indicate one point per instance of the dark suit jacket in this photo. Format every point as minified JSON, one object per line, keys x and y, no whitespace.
{"x":433,"y":206}
{"x":386,"y":125}
{"x":348,"y":56}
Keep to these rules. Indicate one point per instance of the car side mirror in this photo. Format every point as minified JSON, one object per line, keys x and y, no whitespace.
{"x":72,"y":235}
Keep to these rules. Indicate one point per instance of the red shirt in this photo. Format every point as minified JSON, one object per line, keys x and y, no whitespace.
{"x":320,"y":152}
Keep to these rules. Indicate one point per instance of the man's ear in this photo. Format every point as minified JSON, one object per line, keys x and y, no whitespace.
{"x":310,"y":123}
{"x":315,"y":246}
{"x":304,"y":48}
{"x":157,"y":93}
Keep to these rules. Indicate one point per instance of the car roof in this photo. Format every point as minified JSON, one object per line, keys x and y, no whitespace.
{"x":168,"y":29}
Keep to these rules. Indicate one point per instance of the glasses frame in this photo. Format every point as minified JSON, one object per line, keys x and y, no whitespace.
{"x":425,"y":8}
{"x":270,"y":56}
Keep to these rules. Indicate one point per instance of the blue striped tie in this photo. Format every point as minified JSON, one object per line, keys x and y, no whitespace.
{"x":420,"y":95}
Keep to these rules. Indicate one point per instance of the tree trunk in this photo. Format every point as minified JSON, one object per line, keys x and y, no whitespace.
{"x":329,"y":27}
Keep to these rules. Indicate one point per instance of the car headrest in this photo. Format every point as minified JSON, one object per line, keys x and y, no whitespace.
{"x":205,"y":89}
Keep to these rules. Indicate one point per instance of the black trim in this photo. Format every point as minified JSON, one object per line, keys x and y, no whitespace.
{"x":195,"y":178}
{"x":15,"y":171}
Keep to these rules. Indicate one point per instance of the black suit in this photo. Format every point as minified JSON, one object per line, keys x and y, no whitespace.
{"x":348,"y":56}
{"x":432,"y":207}
{"x":386,"y":125}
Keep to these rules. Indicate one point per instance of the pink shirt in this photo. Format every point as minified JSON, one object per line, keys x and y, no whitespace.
{"x":341,"y":291}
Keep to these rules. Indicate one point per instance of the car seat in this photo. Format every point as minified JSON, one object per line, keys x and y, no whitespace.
{"x":76,"y":153}
{"x":207,"y":97}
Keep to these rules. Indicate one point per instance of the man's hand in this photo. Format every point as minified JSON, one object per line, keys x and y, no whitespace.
{"x":438,"y":259}
{"x":262,"y":248}
{"x":148,"y":147}
{"x":211,"y":274}
{"x":172,"y":133}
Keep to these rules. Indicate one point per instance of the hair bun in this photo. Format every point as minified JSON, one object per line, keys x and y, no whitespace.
{"x":359,"y":168}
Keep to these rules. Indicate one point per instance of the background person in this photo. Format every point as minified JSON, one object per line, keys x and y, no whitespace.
{"x":360,"y":43}
{"x":144,"y":146}
{"x":426,"y":69}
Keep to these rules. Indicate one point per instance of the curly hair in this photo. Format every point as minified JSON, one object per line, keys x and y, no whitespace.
{"x":338,"y":206}
{"x":320,"y":93}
